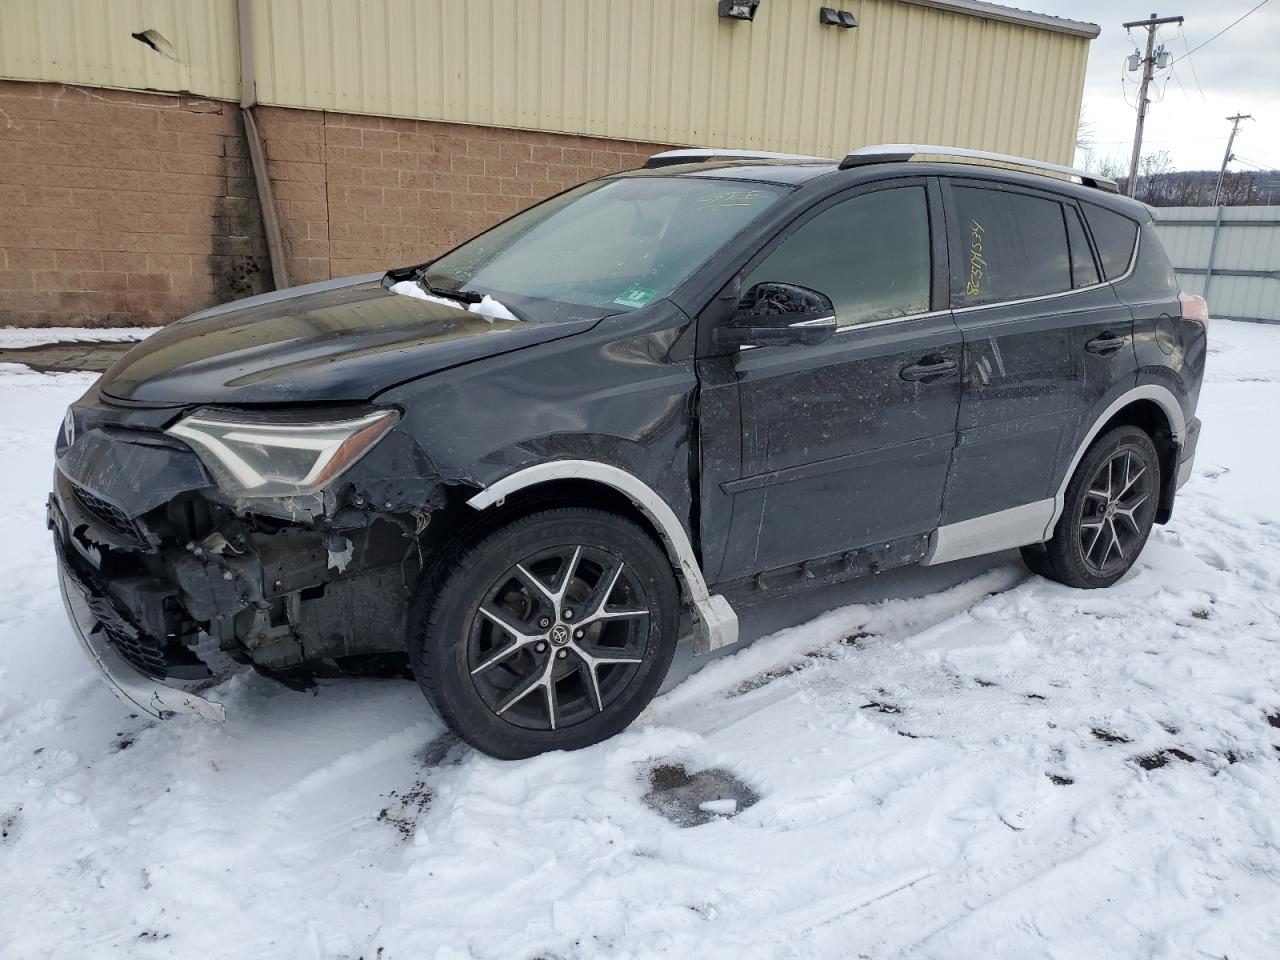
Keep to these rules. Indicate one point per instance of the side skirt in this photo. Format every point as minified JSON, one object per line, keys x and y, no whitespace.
{"x":824,"y":571}
{"x":1013,"y":527}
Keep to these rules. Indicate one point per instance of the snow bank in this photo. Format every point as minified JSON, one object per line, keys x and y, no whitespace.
{"x":1003,"y":768}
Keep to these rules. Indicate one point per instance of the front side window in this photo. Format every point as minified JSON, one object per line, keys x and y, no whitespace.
{"x":614,"y":244}
{"x":870,"y":255}
{"x":1012,"y":246}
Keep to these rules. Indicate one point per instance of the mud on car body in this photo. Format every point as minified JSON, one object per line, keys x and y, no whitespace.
{"x":520,"y":469}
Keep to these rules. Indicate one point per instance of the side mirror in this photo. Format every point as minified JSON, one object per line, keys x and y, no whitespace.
{"x":776,"y":314}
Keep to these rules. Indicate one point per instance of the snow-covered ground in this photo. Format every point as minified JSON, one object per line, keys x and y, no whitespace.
{"x":1004,"y":768}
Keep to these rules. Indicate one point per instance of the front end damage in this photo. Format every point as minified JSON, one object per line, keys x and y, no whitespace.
{"x":169,"y":579}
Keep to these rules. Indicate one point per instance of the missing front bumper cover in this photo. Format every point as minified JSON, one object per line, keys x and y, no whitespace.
{"x":126,"y":681}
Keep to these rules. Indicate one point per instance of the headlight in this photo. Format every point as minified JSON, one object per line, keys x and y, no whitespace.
{"x":272,"y":457}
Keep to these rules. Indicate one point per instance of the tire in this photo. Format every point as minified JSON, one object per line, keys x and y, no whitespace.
{"x":518,"y":658}
{"x":1107,"y":514}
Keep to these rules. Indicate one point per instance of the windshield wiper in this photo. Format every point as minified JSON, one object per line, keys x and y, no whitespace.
{"x":462,"y":296}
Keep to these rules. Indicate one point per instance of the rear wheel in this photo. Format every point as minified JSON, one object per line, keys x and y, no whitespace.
{"x":1107,"y":515}
{"x":552,"y":632}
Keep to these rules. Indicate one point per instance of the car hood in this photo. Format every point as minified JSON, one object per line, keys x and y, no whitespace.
{"x":337,"y":340}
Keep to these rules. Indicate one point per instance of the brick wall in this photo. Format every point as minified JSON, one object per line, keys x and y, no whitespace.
{"x":122,"y":209}
{"x":132,"y":209}
{"x":359,"y":193}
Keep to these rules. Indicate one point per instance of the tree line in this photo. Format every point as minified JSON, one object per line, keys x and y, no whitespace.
{"x":1161,"y":186}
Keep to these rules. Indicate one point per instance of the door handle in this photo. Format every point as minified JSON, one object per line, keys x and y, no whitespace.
{"x":1104,"y":344}
{"x":929,"y":368}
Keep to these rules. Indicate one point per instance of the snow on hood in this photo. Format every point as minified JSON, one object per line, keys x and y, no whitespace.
{"x":488,"y":307}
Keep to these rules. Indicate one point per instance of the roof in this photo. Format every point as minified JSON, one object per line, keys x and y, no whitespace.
{"x":996,"y":11}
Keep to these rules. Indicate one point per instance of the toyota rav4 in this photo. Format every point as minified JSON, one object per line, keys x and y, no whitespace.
{"x":524,"y":469}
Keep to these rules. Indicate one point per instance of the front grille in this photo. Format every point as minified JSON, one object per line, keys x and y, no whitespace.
{"x":139,"y":649}
{"x":110,"y":516}
{"x":162,"y":659}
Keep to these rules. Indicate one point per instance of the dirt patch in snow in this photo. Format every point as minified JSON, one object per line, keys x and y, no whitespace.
{"x":692,"y":799}
{"x":1154,"y":761}
{"x":67,"y":357}
{"x":1109,"y":736}
{"x":405,"y":807}
{"x":777,"y":673}
{"x":9,"y":825}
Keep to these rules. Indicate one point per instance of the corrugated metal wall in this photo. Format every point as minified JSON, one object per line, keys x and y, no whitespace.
{"x":89,"y":42}
{"x":667,"y":71}
{"x":1245,"y":283}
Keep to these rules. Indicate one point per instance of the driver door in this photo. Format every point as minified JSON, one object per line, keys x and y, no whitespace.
{"x":845,"y":444}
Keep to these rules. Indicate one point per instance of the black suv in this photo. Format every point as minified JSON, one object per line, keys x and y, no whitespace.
{"x":660,"y":395}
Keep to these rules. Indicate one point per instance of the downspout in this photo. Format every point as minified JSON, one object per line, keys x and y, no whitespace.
{"x":257,"y":158}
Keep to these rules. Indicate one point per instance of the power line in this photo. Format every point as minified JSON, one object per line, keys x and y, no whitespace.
{"x":1187,"y":47}
{"x":1223,"y":30}
{"x":1264,"y":167}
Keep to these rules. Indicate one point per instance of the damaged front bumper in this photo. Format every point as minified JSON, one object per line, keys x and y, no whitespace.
{"x":168,"y":582}
{"x":91,"y":617}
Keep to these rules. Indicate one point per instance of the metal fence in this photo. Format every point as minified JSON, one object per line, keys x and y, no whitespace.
{"x":1229,"y":255}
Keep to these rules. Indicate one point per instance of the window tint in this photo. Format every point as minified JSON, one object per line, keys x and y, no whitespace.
{"x":1114,"y":236}
{"x":870,"y":255}
{"x":1012,"y":246}
{"x":1084,"y":272}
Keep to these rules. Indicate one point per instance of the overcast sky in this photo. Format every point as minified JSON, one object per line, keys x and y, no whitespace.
{"x":1238,"y":72}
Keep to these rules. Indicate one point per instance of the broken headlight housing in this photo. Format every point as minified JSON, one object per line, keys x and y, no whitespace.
{"x":275,"y":456}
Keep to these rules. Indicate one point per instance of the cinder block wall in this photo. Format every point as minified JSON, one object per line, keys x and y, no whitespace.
{"x":123,"y":209}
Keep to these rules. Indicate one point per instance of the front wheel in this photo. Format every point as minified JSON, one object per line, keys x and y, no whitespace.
{"x":1107,"y":514}
{"x":550,"y":633}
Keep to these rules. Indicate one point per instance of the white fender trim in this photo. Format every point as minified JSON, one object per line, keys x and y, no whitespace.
{"x":1161,"y":396}
{"x":716,"y":624}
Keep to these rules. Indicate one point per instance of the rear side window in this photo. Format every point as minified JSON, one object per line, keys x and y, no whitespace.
{"x":1084,"y":272}
{"x":1011,"y":246}
{"x":870,"y":255}
{"x":1114,"y":235}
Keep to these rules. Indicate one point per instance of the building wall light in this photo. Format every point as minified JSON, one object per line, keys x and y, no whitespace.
{"x":831,"y":17}
{"x":739,"y":9}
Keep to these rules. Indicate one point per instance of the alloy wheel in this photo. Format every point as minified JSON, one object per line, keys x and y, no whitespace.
{"x":1116,"y":512}
{"x":558,"y":637}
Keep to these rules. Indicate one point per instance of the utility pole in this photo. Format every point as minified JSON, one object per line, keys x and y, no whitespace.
{"x":1226,"y":157}
{"x":1148,"y":65}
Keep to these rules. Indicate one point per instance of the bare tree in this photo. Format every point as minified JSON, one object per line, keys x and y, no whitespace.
{"x":1085,"y":132}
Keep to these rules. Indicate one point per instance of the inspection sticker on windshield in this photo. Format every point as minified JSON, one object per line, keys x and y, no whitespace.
{"x":634,"y":296}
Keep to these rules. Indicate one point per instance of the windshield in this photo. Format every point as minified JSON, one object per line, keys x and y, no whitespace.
{"x":612,"y":244}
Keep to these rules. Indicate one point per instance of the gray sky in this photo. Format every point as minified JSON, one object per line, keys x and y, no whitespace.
{"x":1238,"y":72}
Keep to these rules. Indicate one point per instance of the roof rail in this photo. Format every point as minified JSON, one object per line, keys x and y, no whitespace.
{"x":897,"y":152}
{"x":703,"y":154}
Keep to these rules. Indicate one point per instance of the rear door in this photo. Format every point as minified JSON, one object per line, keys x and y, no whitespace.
{"x":1042,"y":335}
{"x":844,"y":444}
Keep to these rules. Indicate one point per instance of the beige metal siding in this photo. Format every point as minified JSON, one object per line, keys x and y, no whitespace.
{"x":665,"y":71}
{"x":671,"y":71}
{"x":89,"y":42}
